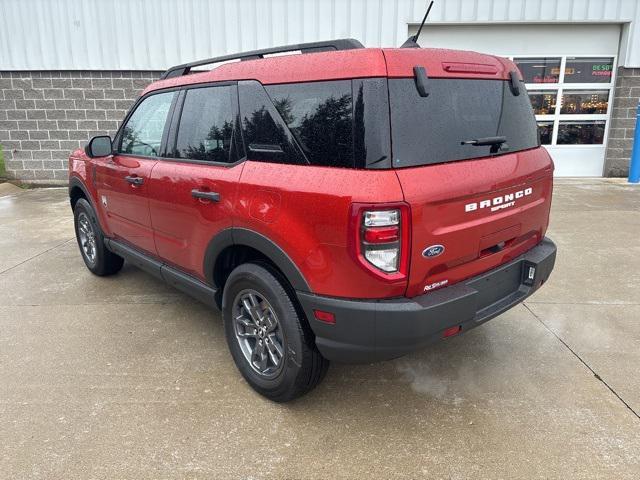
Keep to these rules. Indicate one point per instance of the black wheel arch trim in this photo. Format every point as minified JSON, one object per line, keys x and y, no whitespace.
{"x":243,"y":236}
{"x":77,"y":182}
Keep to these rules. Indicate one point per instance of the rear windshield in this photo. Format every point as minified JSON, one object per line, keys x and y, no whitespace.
{"x":428,"y":130}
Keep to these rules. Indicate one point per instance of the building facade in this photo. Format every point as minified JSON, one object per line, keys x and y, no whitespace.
{"x":70,"y":69}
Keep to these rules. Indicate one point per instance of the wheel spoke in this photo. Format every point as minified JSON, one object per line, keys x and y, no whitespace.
{"x":272,"y":324}
{"x":275,"y":353}
{"x":254,"y":301}
{"x":276,"y":345}
{"x":259,"y":358}
{"x":246,"y":303}
{"x":247,"y":328}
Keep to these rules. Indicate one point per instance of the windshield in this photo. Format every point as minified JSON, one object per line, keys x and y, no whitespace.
{"x":432,"y":129}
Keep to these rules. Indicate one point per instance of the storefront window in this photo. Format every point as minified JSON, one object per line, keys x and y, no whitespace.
{"x":543,"y":103}
{"x":545,"y":131}
{"x":539,"y":70}
{"x":588,"y":70}
{"x":588,"y":132}
{"x":585,"y":101}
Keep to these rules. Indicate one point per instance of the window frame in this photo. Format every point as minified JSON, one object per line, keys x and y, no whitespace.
{"x":117,"y":139}
{"x":561,"y":86}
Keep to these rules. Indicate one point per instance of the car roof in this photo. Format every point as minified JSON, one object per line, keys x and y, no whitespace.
{"x":348,"y":64}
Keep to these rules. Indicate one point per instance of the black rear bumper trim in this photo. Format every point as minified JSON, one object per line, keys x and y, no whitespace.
{"x":371,"y":330}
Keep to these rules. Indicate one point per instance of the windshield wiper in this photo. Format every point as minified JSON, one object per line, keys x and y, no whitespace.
{"x":479,"y":142}
{"x":496,"y":143}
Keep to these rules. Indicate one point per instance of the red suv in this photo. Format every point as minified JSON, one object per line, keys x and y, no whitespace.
{"x":342,"y":203}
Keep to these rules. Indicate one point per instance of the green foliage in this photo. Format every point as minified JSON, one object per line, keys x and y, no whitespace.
{"x":3,"y":172}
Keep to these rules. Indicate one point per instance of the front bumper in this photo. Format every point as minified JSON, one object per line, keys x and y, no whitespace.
{"x":371,"y":330}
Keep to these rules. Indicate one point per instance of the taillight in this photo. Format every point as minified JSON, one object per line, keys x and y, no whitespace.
{"x":382,"y":238}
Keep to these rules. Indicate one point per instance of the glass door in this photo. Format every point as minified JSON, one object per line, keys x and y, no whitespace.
{"x":571,"y":97}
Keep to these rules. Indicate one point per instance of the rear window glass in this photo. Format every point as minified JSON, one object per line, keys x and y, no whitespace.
{"x":428,"y":130}
{"x":319,"y":114}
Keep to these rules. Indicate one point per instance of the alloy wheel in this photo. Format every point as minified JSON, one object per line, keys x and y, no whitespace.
{"x":258,"y":333}
{"x":87,"y":238}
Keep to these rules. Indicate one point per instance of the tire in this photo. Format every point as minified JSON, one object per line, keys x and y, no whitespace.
{"x":97,"y":258}
{"x":301,"y":365}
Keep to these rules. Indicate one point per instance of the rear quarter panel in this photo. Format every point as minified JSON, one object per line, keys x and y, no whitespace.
{"x":305,"y":210}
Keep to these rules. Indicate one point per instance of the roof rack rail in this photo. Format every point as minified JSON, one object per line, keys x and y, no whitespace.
{"x":313,"y":47}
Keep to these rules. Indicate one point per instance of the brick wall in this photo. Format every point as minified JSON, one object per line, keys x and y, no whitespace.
{"x":46,"y":115}
{"x":622,"y":123}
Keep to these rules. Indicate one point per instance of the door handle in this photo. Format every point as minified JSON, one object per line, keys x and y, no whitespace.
{"x":211,"y":196}
{"x":133,"y":180}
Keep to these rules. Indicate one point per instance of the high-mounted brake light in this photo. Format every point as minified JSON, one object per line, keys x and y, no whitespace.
{"x":382,"y":239}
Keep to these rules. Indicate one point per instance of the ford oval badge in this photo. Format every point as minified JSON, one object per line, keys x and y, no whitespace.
{"x":433,"y":251}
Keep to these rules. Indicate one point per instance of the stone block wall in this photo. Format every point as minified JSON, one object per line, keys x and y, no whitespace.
{"x":46,"y":115}
{"x":622,"y":123}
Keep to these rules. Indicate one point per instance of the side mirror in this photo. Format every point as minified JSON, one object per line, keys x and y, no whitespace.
{"x":99,"y":146}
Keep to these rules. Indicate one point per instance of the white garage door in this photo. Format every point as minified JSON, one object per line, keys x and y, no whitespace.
{"x":570,"y":74}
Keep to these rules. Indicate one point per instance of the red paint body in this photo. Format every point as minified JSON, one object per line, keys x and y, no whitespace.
{"x":305,"y":210}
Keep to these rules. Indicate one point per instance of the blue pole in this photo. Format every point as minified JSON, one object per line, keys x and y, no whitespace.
{"x":634,"y":166}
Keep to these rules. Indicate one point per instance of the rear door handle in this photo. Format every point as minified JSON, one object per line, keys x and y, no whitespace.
{"x":133,"y":180}
{"x":211,"y":196}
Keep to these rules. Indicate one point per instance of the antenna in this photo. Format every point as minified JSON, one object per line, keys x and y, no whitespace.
{"x":412,"y":42}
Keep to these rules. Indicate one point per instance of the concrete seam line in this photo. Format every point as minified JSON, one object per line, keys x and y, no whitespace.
{"x":594,"y":304}
{"x":94,"y":304}
{"x":583,"y":362}
{"x":35,"y":256}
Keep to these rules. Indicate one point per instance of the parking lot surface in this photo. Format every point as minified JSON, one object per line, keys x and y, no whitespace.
{"x":125,"y":377}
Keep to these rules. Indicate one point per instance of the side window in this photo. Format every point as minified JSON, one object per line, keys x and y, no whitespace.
{"x":142,"y":134}
{"x":206,"y":130}
{"x":320,"y":116}
{"x":371,"y":132}
{"x":266,"y":136}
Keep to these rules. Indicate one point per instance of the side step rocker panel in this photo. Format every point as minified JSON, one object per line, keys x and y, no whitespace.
{"x":174,"y":277}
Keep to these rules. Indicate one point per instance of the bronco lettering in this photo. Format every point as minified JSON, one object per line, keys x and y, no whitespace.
{"x":498,"y":203}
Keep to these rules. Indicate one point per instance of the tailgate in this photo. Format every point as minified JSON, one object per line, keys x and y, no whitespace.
{"x":484,"y":212}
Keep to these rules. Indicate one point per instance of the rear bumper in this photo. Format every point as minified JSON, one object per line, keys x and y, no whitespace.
{"x":371,"y":330}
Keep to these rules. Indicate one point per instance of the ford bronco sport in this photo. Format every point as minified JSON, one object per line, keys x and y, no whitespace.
{"x":341,"y":203}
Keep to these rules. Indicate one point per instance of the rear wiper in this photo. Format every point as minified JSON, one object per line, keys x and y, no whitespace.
{"x":479,"y":142}
{"x":497,"y":143}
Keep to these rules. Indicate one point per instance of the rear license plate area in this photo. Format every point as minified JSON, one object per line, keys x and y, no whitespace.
{"x":498,"y":285}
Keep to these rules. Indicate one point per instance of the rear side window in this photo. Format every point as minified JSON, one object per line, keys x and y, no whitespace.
{"x":206,"y":130}
{"x":266,"y":135}
{"x":428,"y":130}
{"x":320,"y":116}
{"x":142,"y":134}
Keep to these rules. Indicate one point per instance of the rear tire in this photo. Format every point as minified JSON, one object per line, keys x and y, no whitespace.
{"x":98,"y":259}
{"x":261,"y":319}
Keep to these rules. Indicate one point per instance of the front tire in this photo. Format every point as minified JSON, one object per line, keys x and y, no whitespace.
{"x":269,"y":339}
{"x":98,"y":259}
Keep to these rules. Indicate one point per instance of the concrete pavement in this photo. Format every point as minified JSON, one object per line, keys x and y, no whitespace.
{"x":124,"y":377}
